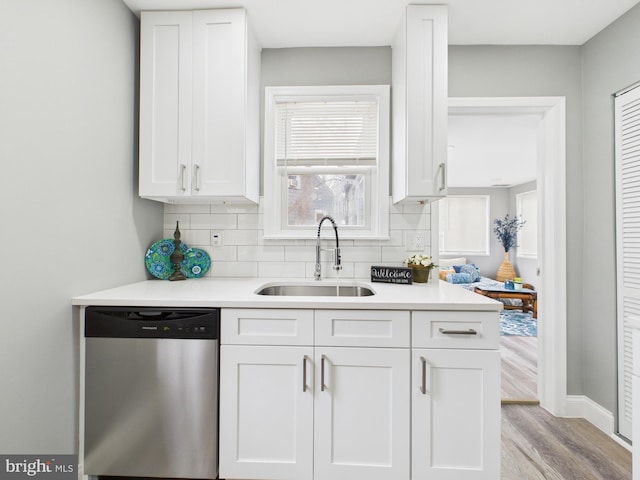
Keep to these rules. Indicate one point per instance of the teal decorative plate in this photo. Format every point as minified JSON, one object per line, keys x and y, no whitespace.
{"x":157,"y":258}
{"x":196,"y":263}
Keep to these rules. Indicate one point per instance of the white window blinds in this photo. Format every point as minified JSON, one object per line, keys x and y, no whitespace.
{"x":328,"y":133}
{"x":464,"y":225}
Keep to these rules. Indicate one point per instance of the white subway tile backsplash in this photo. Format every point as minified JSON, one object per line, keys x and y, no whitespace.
{"x":196,"y":238}
{"x":241,"y":237}
{"x":300,"y":253}
{"x":214,"y":221}
{"x":281,"y":270}
{"x":250,"y":220}
{"x":234,"y":269}
{"x":170,"y":220}
{"x":410,"y":221}
{"x":360,"y":254}
{"x":261,"y":253}
{"x":395,"y":255}
{"x":224,"y":254}
{"x":245,"y":253}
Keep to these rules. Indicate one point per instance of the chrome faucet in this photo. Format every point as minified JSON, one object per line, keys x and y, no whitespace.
{"x":336,"y":251}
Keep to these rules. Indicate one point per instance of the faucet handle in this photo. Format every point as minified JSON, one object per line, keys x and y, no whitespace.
{"x":337,"y":262}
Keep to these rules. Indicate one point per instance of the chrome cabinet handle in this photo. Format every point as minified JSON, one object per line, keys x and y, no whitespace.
{"x":304,"y":373}
{"x":443,"y":177}
{"x":471,"y":331}
{"x":423,"y":386}
{"x":197,"y":177}
{"x":183,"y":169}
{"x":322,"y":373}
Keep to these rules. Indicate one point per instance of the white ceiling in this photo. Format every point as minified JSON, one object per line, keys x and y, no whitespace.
{"x":494,"y":150}
{"x":326,"y":23}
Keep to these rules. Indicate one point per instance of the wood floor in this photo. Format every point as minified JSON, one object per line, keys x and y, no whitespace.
{"x":537,"y":445}
{"x":519,"y":368}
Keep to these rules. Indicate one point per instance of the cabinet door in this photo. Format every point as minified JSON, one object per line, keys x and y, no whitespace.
{"x":455,"y":414}
{"x":219,"y":101}
{"x":165,"y":103}
{"x":362,"y":408}
{"x":266,"y":412}
{"x":419,"y":65}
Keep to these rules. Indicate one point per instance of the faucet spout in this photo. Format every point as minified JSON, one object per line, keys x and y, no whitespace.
{"x":337,"y":261}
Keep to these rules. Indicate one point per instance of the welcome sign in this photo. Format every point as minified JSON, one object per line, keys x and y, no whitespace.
{"x":401,"y":275}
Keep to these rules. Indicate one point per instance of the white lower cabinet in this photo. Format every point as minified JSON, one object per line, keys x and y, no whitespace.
{"x":312,"y":407}
{"x":455,"y":415}
{"x":361,"y":419}
{"x":266,"y":412}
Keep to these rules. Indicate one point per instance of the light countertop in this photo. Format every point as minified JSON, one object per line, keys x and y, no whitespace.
{"x":240,"y":293}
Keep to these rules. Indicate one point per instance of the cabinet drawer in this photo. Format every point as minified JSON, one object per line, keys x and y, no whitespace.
{"x":363,"y":328}
{"x":473,"y":330}
{"x":255,"y":326}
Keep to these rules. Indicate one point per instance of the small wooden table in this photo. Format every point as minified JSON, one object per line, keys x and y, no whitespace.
{"x":527,"y":295}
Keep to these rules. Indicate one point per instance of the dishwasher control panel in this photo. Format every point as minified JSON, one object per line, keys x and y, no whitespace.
{"x":149,"y":322}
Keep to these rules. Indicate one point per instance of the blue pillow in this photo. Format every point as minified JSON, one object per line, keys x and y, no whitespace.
{"x":459,"y":278}
{"x":457,"y":268}
{"x":471,"y":270}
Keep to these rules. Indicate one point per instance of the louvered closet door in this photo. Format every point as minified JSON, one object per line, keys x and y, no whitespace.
{"x":627,"y":131}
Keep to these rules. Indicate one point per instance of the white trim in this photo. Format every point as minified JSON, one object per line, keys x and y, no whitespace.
{"x":552,"y":234}
{"x":580,"y":406}
{"x":519,"y":196}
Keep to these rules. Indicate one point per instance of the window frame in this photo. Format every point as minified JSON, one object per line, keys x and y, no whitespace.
{"x":275,"y":182}
{"x":519,"y":253}
{"x":487,"y":233}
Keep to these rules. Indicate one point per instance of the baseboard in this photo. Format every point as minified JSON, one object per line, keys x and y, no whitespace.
{"x":580,"y":406}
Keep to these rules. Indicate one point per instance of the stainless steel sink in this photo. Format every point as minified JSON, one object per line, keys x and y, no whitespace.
{"x":315,"y":290}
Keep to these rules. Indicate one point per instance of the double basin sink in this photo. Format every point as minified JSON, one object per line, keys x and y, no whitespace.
{"x":314,"y":290}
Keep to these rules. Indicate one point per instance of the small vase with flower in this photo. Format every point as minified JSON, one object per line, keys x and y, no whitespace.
{"x":421,"y":266}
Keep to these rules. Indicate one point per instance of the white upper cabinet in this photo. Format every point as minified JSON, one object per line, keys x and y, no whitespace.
{"x":199,"y":107}
{"x":419,"y":99}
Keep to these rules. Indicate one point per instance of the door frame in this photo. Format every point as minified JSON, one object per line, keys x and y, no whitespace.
{"x":552,"y":234}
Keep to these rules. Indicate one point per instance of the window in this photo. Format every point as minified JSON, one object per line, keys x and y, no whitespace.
{"x":326,"y":152}
{"x":527,"y":208}
{"x":464,"y":225}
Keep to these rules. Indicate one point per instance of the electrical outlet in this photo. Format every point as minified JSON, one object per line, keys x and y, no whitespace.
{"x":415,"y":241}
{"x":418,"y":241}
{"x":216,"y":239}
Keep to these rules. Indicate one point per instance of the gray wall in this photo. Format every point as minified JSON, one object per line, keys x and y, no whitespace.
{"x":512,"y":71}
{"x":610,"y":62}
{"x":70,"y":219}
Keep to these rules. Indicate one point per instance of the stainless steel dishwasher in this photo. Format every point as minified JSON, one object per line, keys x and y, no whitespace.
{"x":151,"y":392}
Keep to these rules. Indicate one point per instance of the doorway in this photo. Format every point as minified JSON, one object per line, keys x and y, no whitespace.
{"x":551,"y":268}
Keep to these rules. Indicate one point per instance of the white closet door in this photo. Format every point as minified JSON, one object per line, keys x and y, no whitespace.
{"x":627,"y":132}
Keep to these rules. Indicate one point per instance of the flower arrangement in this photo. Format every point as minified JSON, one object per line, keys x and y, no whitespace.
{"x":420,"y":261}
{"x":506,"y":230}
